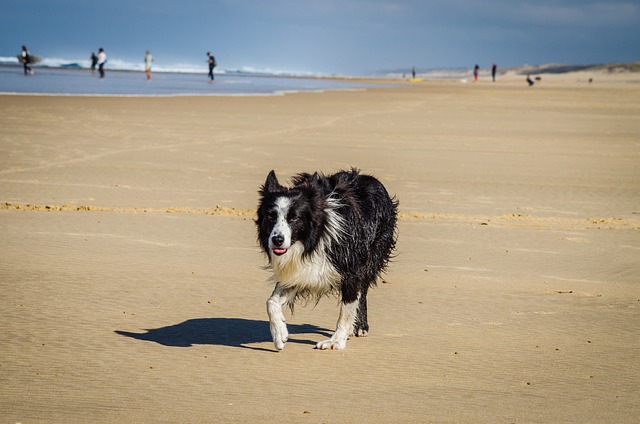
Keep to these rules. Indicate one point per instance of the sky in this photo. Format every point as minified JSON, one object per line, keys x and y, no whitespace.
{"x":345,"y":37}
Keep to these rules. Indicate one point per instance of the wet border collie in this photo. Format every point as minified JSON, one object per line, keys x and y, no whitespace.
{"x":325,"y":235}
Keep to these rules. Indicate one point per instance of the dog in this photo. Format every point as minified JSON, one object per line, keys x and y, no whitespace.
{"x":325,"y":235}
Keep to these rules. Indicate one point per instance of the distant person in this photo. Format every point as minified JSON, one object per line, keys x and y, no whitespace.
{"x":494,"y":69}
{"x":25,"y":58}
{"x":212,"y":64}
{"x":476,"y":71}
{"x":94,"y":62}
{"x":529,"y":81}
{"x":102,"y":59}
{"x":148,"y":60}
{"x":413,"y":72}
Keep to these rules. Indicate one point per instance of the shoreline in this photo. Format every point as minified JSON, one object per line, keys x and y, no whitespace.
{"x":570,"y":80}
{"x":592,"y":74}
{"x":50,"y":81}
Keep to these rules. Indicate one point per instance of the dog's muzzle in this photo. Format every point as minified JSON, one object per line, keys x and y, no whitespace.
{"x":276,"y":245}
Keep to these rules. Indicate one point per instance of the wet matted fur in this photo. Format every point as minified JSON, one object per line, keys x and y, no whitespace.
{"x":323,"y":235}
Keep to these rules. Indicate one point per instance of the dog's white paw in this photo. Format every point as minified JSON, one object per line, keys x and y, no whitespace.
{"x":332,"y":344}
{"x":279,"y":334}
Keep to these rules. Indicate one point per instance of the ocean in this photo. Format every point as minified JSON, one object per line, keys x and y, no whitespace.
{"x":75,"y":81}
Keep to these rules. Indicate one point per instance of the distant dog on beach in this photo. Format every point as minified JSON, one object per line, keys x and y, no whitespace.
{"x":325,"y":235}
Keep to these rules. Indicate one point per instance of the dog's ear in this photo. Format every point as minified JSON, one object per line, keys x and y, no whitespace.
{"x":315,"y":179}
{"x":272,"y":184}
{"x":321,"y":183}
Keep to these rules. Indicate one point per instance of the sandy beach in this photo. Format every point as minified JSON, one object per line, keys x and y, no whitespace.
{"x":133,"y":290}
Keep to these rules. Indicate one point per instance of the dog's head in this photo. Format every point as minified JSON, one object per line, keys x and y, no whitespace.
{"x":287,"y":216}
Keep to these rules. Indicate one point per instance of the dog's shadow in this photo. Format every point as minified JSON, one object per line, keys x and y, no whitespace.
{"x":233,"y":332}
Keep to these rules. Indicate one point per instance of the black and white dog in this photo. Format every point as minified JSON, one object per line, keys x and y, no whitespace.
{"x":323,"y":235}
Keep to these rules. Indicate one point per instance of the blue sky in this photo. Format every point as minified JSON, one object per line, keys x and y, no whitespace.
{"x":328,"y":36}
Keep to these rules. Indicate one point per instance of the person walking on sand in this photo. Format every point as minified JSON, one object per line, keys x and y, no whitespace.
{"x":476,"y":71}
{"x":25,"y":57}
{"x":212,"y":64}
{"x":494,"y":69}
{"x":148,"y":59}
{"x":102,"y":59}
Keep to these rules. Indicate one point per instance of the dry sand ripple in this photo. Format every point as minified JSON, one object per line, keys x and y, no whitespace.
{"x":508,"y":220}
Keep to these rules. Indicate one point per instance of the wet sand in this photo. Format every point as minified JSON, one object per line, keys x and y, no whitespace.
{"x":132,"y":287}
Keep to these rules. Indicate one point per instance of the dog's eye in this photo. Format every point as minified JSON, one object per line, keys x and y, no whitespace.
{"x":272,"y":216}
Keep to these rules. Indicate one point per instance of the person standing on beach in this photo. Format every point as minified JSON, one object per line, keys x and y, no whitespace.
{"x":25,"y":57}
{"x":476,"y":71}
{"x":212,"y":64}
{"x":102,"y":59}
{"x":494,"y":69}
{"x":94,"y":62}
{"x":413,"y":72}
{"x":148,"y":59}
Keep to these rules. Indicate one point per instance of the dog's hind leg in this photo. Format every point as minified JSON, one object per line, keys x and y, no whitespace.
{"x":344,"y":328}
{"x":277,"y":322}
{"x":361,"y":327}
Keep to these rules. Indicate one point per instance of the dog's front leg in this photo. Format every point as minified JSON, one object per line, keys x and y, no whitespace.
{"x":277,"y":322}
{"x":344,"y":328}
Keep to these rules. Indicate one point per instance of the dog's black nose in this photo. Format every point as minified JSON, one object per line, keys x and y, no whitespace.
{"x":277,"y":240}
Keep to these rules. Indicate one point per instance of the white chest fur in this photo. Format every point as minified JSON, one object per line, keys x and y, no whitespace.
{"x":315,"y":273}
